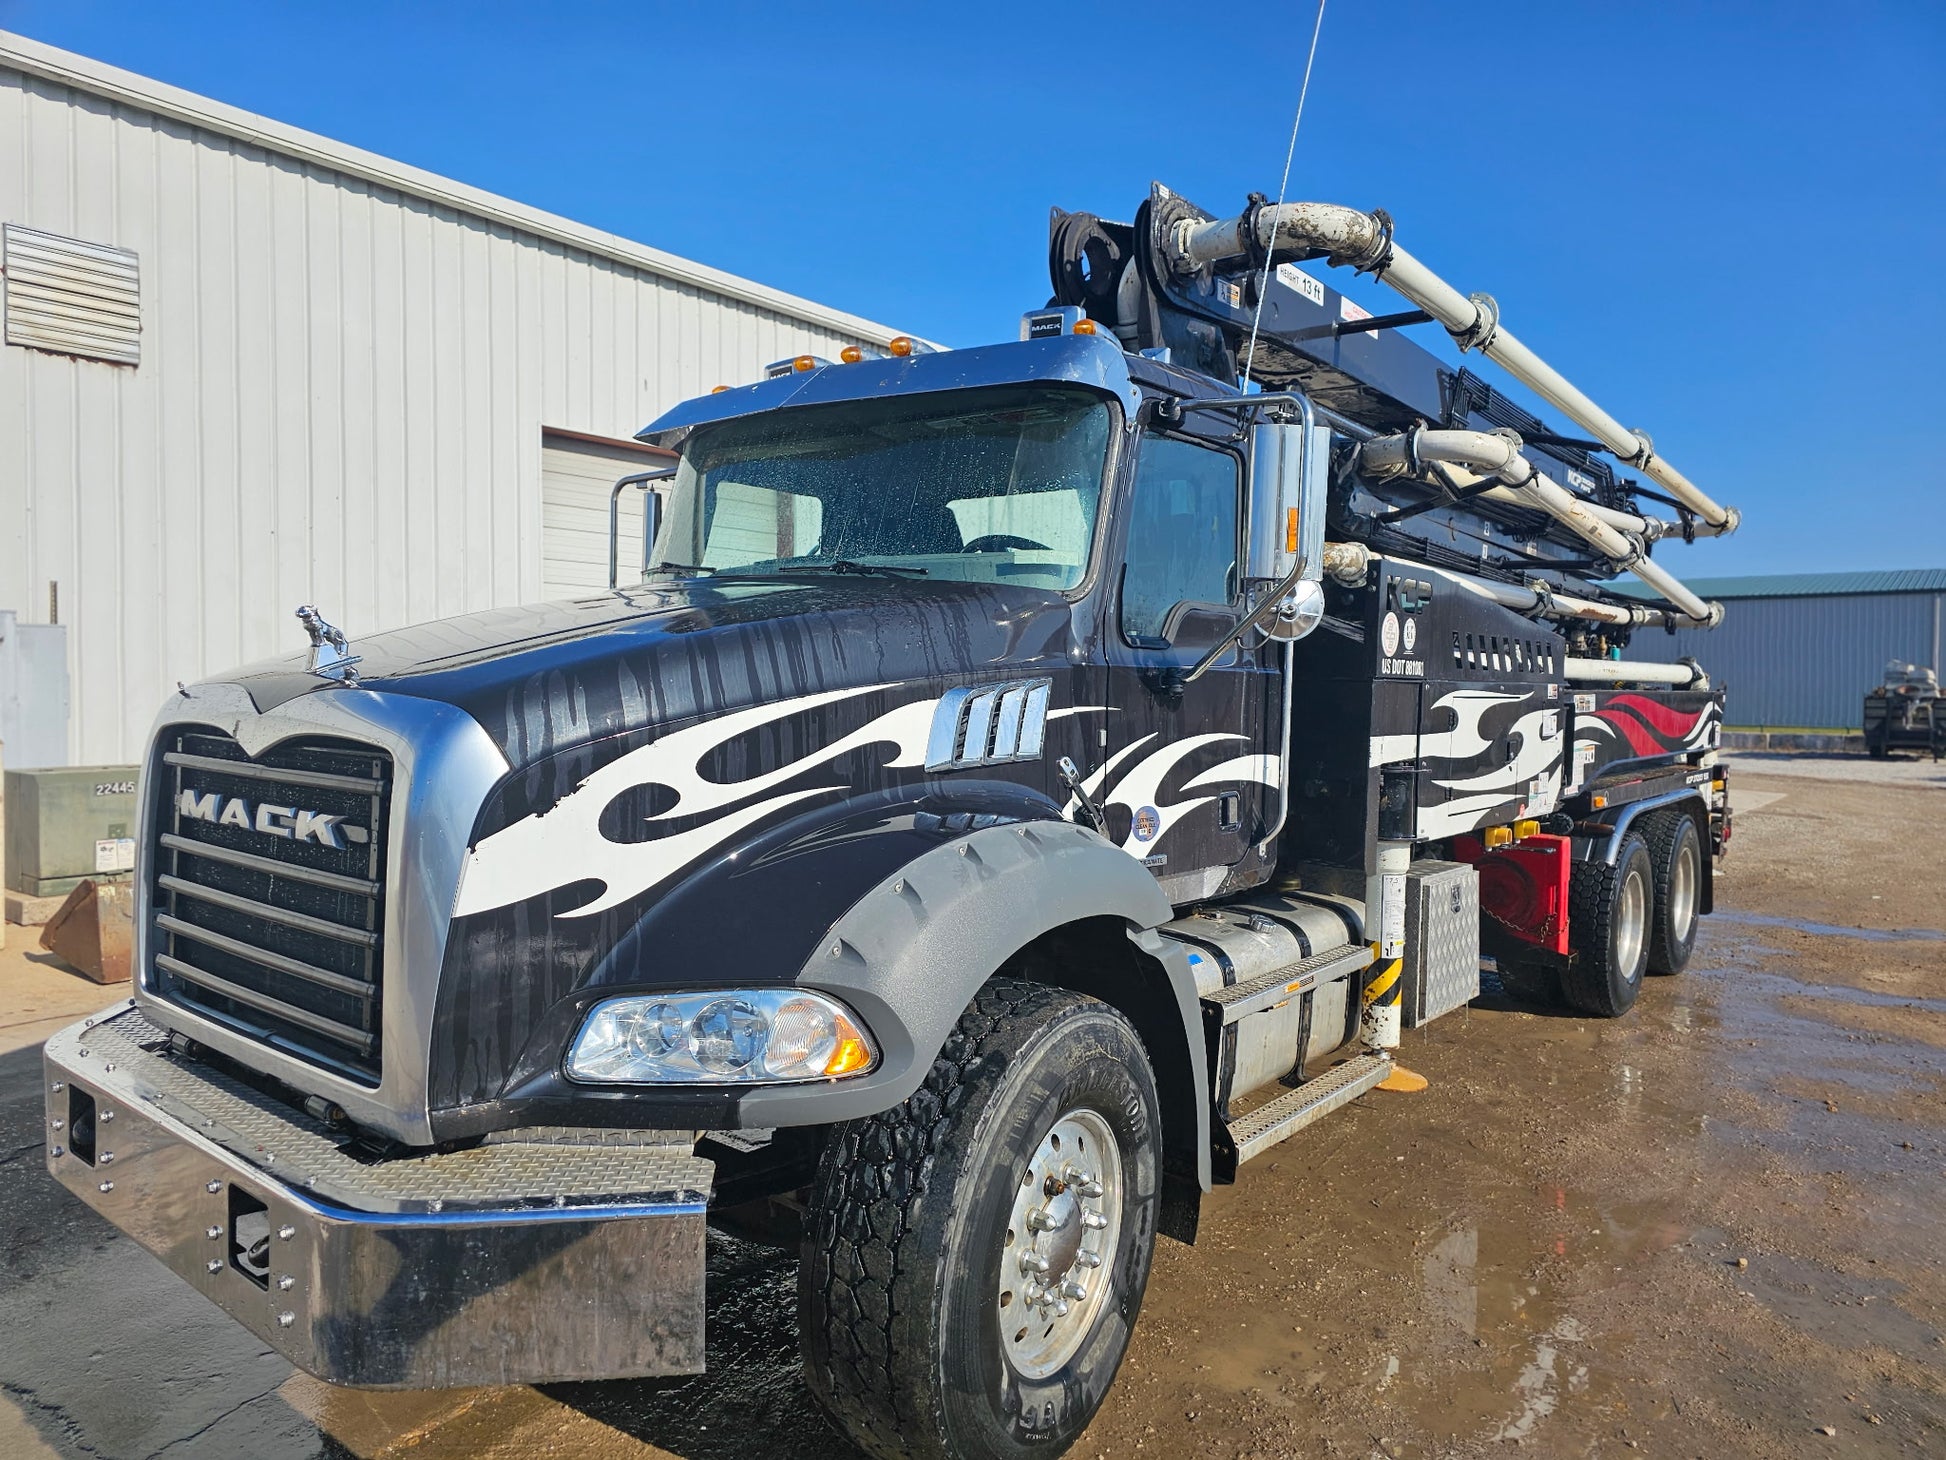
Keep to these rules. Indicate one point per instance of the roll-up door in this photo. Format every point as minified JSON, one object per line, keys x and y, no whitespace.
{"x":577,"y":474}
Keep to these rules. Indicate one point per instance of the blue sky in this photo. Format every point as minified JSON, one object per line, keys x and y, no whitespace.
{"x":1726,"y":222}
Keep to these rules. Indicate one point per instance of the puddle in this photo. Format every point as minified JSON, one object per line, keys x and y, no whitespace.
{"x":1830,"y":930}
{"x":1482,"y":1344}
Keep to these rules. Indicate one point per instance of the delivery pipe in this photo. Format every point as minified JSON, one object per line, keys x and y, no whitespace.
{"x":1498,"y":453}
{"x":1650,"y":529}
{"x":1348,"y":563}
{"x":1634,"y":671}
{"x":1363,"y":240}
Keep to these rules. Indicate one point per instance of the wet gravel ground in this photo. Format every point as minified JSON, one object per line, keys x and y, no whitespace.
{"x":1710,"y":1229}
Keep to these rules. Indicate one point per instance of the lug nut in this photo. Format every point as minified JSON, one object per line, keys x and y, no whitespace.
{"x":1087,"y":1258}
{"x":213,"y":1187}
{"x":1060,"y":1307}
{"x":1039,"y":1221}
{"x":212,"y":1233}
{"x":60,"y":1150}
{"x":1093,"y":1221}
{"x":213,"y":1265}
{"x":1074,"y":1290}
{"x":107,"y":1186}
{"x":285,"y":1320}
{"x":285,"y":1283}
{"x":1032,"y":1262}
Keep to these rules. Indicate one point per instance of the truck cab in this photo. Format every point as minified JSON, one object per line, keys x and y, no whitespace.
{"x":1020,"y":785}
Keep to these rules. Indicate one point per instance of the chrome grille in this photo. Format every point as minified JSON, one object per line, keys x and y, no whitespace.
{"x":268,"y":891}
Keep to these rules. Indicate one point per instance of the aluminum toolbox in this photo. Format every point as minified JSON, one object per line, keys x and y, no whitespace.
{"x":1442,"y":939}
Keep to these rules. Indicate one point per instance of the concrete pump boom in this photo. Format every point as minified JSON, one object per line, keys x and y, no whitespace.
{"x":1365,"y":242}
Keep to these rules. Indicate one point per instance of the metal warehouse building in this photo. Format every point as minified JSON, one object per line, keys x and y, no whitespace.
{"x":1799,"y":651}
{"x":246,"y":367}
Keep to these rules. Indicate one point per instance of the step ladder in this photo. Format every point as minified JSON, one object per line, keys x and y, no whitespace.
{"x":1280,"y":1119}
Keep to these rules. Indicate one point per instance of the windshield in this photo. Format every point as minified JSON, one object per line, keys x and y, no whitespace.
{"x":992,"y":485}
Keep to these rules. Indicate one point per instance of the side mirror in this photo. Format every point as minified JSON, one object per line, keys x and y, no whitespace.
{"x":1290,"y":475}
{"x":651,"y":518}
{"x":1290,"y":480}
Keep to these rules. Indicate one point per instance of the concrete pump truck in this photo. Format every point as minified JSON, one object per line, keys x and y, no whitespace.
{"x":1020,"y":786}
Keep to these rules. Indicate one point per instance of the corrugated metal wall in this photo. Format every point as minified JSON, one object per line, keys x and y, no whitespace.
{"x":340,"y":399}
{"x":1806,"y":662}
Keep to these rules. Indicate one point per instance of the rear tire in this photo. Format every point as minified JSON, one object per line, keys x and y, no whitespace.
{"x":924,"y":1333}
{"x":1676,"y":860}
{"x":1608,"y":929}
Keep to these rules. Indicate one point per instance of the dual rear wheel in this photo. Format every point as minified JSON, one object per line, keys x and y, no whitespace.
{"x":1633,"y":917}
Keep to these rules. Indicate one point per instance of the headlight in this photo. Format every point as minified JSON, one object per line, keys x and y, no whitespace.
{"x":740,"y":1037}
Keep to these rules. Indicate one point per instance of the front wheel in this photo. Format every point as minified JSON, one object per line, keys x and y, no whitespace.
{"x":975,"y":1258}
{"x":1608,"y":930}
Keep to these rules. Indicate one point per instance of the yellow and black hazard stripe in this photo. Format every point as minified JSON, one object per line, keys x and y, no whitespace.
{"x":1385,"y":987}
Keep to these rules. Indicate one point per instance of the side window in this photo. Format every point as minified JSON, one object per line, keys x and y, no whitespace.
{"x":1182,"y":534}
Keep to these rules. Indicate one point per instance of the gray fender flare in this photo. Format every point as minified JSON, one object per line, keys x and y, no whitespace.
{"x":911,"y":953}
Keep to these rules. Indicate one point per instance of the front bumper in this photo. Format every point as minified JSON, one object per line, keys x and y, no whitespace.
{"x":537,"y":1256}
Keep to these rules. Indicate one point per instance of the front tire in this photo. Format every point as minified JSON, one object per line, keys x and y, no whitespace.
{"x":1676,"y":860}
{"x":1608,"y":929}
{"x":1035,"y":1136}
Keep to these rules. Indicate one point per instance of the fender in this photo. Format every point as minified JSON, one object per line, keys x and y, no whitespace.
{"x":911,"y":953}
{"x":1689,"y":799}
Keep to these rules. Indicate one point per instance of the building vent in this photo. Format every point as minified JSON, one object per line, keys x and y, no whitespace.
{"x":70,"y":297}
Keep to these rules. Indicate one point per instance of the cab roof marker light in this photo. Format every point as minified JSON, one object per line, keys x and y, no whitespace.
{"x":904,"y":346}
{"x":796,"y":365}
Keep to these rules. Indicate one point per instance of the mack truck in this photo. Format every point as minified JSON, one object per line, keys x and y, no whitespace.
{"x":1017,"y":787}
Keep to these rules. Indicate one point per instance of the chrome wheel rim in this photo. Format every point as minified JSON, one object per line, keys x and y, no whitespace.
{"x":1682,"y":892}
{"x":1631,"y":917}
{"x":1057,"y":1253}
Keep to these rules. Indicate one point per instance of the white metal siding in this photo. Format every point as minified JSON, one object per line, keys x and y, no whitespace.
{"x":340,"y":398}
{"x":576,"y":480}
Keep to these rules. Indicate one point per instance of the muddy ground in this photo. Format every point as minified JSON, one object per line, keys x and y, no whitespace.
{"x":1711,"y":1229}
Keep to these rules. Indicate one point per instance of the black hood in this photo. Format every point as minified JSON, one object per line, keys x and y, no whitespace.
{"x":545,"y":676}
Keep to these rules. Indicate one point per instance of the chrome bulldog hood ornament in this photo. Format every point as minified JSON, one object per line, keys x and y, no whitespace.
{"x":331,"y":656}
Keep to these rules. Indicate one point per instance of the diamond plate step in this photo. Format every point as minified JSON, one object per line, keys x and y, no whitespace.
{"x":1288,"y":1114}
{"x":1257,"y":994}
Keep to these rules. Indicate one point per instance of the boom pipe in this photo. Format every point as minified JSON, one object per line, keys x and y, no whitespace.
{"x":1634,"y":671}
{"x":1499,"y":454}
{"x":1348,"y":562}
{"x":1349,"y":236}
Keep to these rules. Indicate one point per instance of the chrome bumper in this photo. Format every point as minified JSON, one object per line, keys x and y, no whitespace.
{"x":538,"y":1256}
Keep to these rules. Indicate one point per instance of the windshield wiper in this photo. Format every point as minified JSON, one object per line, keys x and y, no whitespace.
{"x":847,"y":565}
{"x":696,"y":568}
